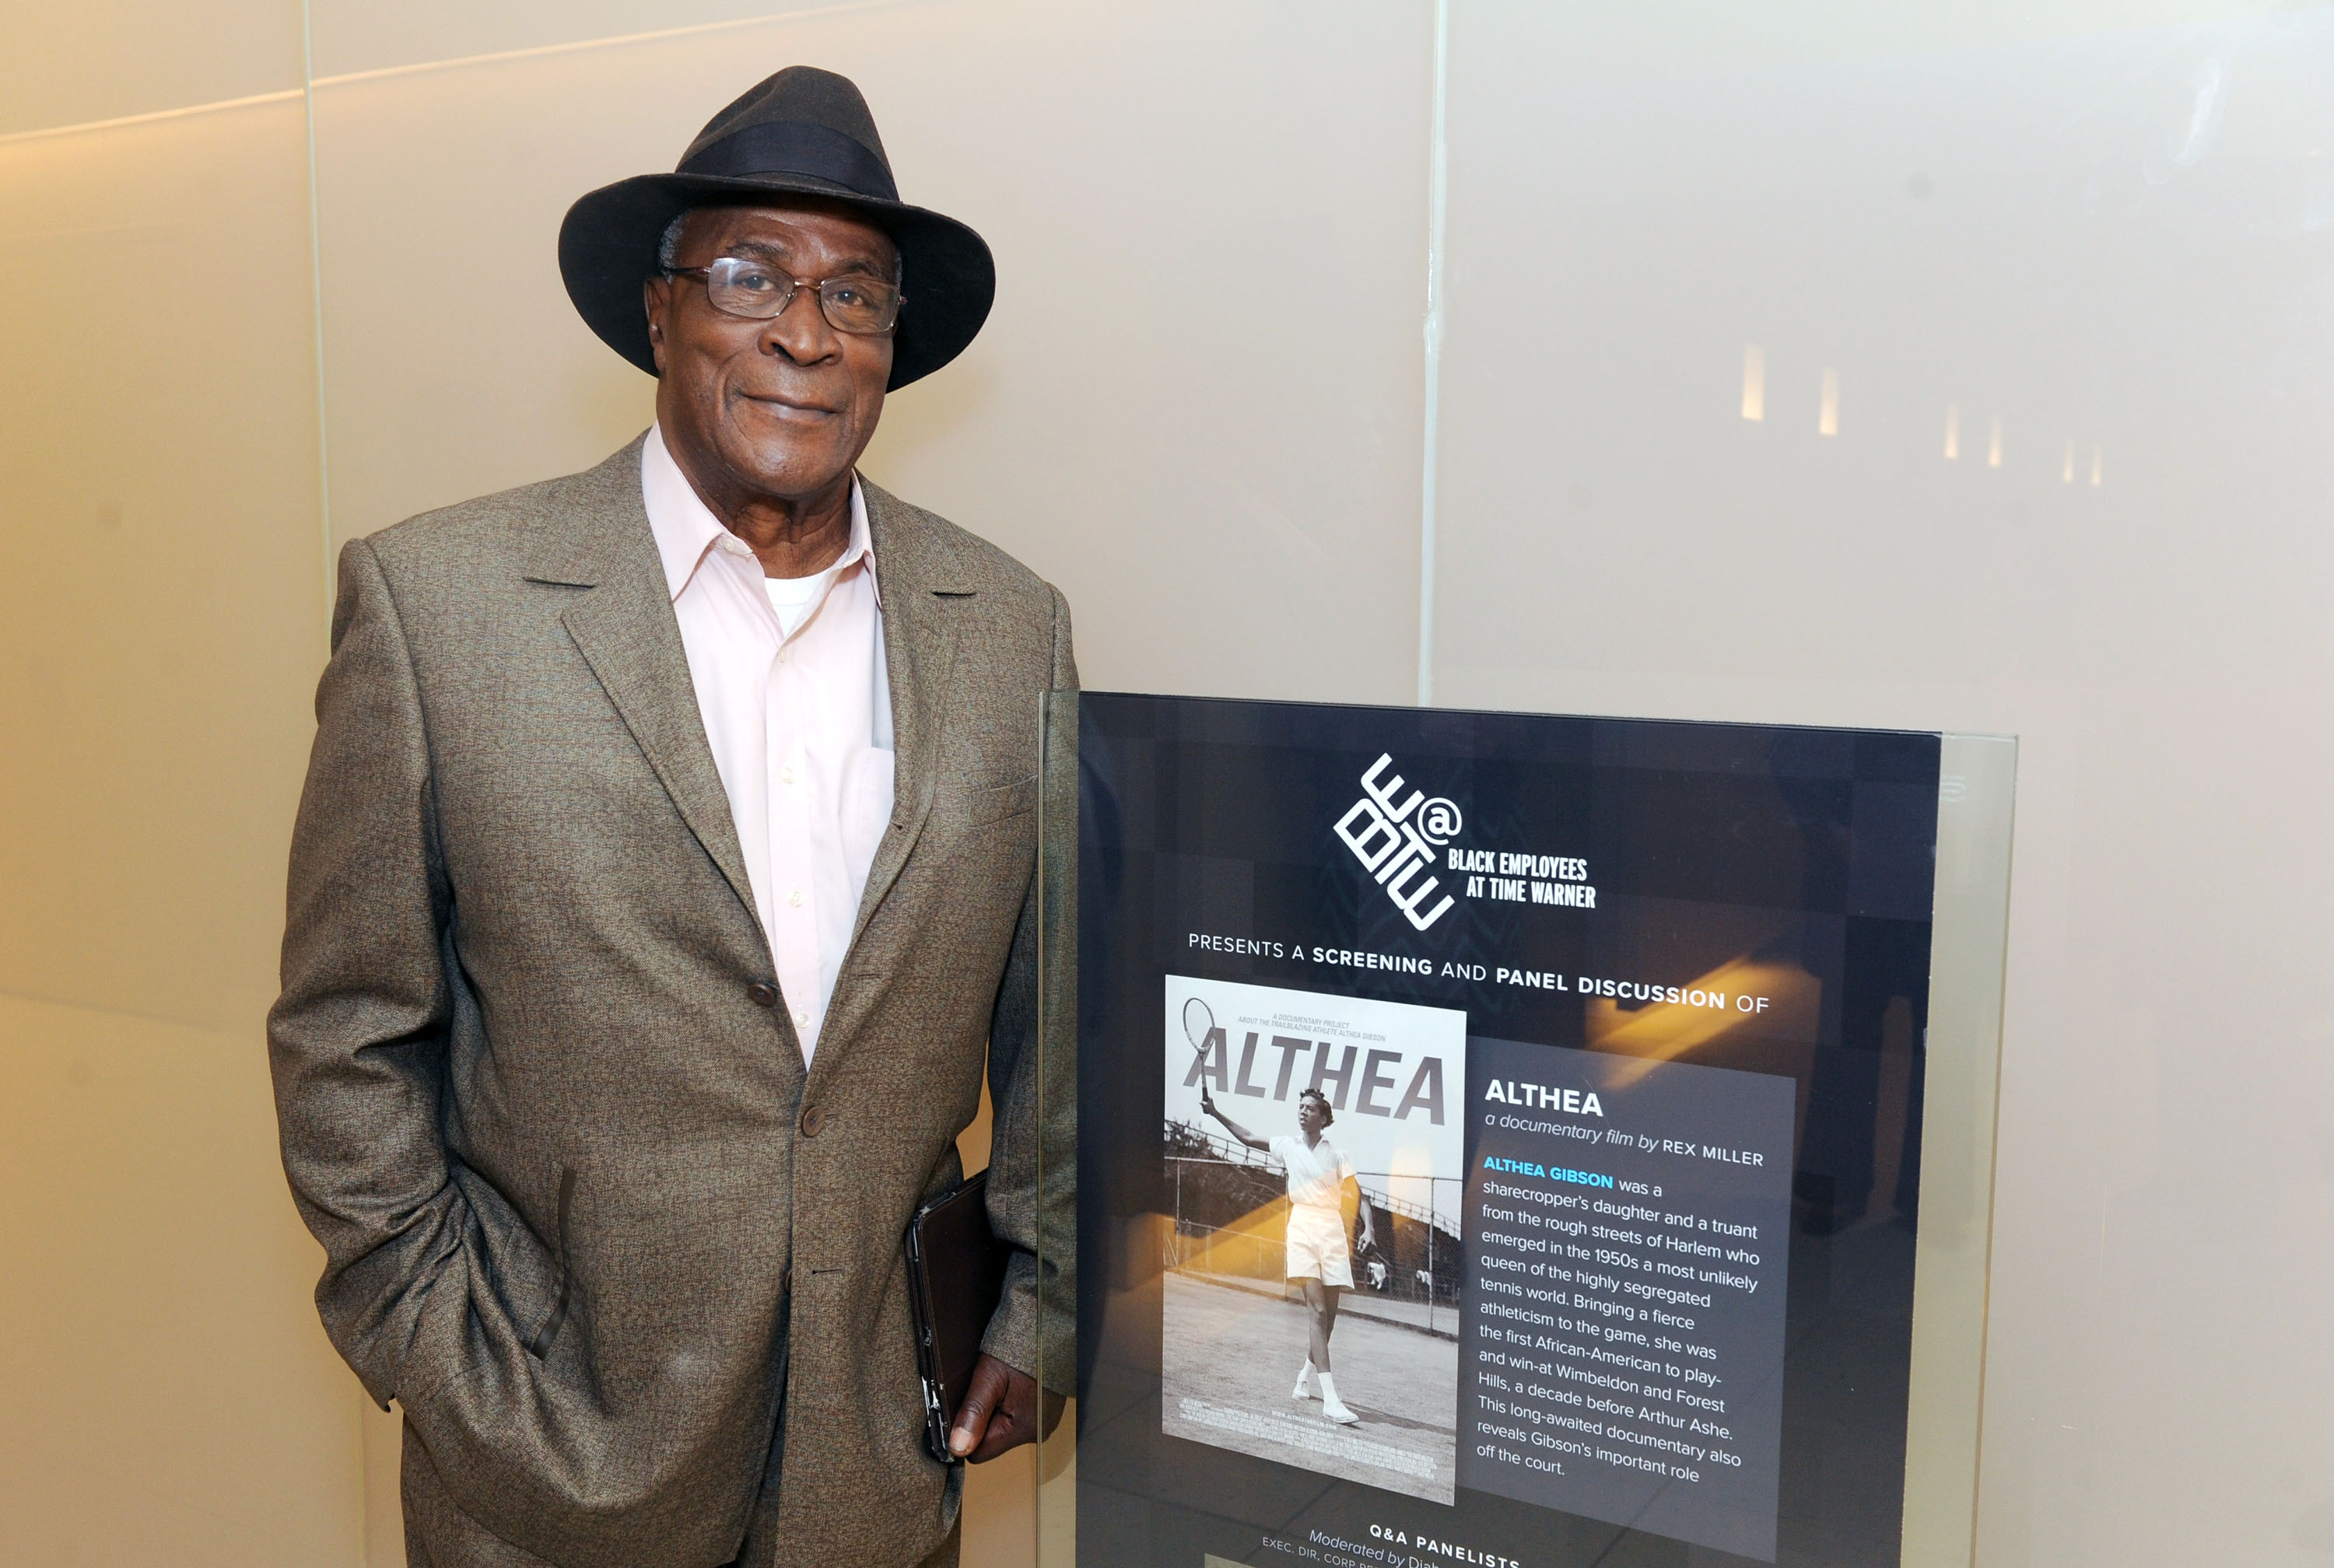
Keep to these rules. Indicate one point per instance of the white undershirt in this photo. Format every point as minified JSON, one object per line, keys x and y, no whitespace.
{"x":792,"y":596}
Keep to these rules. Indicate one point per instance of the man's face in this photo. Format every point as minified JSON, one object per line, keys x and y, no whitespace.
{"x":777,"y":408}
{"x":1311,"y":1114}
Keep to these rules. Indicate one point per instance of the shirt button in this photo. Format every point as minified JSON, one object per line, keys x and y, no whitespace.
{"x":762,"y":994}
{"x":785,"y":655}
{"x":802,"y":1020}
{"x":813,"y":1117}
{"x":795,"y":897}
{"x":786,"y":775}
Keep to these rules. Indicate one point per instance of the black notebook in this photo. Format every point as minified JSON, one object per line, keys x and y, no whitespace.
{"x":956,"y":1276}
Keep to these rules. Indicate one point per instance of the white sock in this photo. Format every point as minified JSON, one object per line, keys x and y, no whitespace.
{"x":1304,"y":1379}
{"x":1331,"y":1405}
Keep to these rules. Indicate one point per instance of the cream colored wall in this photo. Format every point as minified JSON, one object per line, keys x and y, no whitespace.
{"x":1200,"y":408}
{"x":169,"y":1398}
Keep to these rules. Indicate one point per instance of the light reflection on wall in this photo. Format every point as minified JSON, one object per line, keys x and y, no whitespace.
{"x":1754,"y":408}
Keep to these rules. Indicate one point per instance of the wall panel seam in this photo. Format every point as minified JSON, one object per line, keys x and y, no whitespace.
{"x":77,"y":1004}
{"x":1437,"y":183}
{"x":151,"y":117}
{"x":316,"y":320}
{"x":614,"y":40}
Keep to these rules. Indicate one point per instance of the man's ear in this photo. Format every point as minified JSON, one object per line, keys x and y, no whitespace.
{"x":656,"y":299}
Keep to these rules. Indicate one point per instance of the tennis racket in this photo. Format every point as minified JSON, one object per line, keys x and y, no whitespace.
{"x":1199,"y":1023}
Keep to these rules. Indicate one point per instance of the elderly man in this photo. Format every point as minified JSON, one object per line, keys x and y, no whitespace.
{"x":663,"y":876}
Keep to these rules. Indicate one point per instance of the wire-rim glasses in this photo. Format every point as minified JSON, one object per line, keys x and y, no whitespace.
{"x":743,"y":286}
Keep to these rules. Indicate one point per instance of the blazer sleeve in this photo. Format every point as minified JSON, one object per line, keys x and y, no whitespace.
{"x":357,"y":1040}
{"x":1034,"y":1095}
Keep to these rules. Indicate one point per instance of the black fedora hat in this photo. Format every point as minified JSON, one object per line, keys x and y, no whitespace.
{"x":802,"y":132}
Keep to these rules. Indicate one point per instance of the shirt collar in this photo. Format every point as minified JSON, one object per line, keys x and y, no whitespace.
{"x":686,"y":530}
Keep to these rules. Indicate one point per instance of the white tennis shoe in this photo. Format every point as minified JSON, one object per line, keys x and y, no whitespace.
{"x":1304,"y":1381}
{"x":1333,"y":1408}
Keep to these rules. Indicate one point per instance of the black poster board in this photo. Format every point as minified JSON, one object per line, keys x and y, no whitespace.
{"x":1619,"y":1029}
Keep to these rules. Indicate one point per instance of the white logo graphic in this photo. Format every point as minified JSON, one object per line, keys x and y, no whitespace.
{"x":1397,"y":842}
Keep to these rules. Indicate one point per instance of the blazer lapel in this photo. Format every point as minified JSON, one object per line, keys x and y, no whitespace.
{"x":921,"y":599}
{"x":625,"y":629}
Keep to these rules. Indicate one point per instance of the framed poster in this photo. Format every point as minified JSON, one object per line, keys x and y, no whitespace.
{"x":1508,"y":1139}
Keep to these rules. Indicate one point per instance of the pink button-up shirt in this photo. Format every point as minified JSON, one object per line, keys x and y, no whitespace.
{"x":792,"y":685}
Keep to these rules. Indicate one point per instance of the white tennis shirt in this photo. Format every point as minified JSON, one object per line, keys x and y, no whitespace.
{"x":1316,"y":1175}
{"x":792,"y":686}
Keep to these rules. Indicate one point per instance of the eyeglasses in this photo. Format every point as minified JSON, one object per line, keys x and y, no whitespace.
{"x":739,"y":286}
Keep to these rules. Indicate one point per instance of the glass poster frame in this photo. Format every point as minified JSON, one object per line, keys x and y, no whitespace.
{"x":1166,"y":818}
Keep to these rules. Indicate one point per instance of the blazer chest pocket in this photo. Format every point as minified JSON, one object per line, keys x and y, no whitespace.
{"x":998,"y":801}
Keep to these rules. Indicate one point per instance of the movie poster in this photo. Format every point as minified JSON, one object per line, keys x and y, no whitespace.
{"x":1254,"y":1211}
{"x":1499,"y":1135}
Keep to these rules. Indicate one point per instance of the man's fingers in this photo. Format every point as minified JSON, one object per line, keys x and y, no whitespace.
{"x":1003,"y":1437}
{"x":987,"y":1386}
{"x":1000,"y":1412}
{"x":1013,"y":1412}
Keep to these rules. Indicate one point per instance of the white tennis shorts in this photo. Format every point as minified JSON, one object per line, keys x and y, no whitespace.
{"x":1316,"y":1246}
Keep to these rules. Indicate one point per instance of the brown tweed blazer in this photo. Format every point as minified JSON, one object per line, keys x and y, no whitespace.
{"x":585,"y":1216}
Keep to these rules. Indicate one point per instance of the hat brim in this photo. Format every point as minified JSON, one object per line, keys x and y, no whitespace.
{"x":608,"y":249}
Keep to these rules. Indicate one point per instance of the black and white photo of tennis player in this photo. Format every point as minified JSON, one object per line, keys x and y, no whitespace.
{"x":1313,"y":1170}
{"x":1322,"y":1189}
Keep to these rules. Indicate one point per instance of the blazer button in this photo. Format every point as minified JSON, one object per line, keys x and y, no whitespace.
{"x":813,"y":1117}
{"x":762,"y":994}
